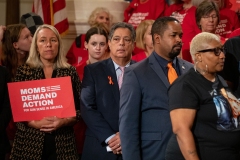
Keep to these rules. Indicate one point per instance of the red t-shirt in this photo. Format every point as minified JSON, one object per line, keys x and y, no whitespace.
{"x":140,"y":56}
{"x":190,"y":29}
{"x":76,"y":54}
{"x":137,"y":12}
{"x":177,"y":11}
{"x":235,"y":33}
{"x":80,"y":68}
{"x":228,"y":22}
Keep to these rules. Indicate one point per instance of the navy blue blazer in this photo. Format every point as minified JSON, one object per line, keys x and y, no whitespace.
{"x":99,"y":108}
{"x":144,"y":119}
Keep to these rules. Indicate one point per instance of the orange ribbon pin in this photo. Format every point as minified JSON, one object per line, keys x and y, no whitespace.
{"x":110,"y":80}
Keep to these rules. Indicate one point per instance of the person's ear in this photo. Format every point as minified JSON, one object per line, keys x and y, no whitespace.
{"x":85,"y":45}
{"x":15,"y":45}
{"x":157,"y":38}
{"x":109,"y":44}
{"x":198,"y":57}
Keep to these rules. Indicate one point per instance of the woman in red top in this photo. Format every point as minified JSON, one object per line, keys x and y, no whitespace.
{"x":207,"y":18}
{"x":97,"y":49}
{"x":96,"y":44}
{"x":228,"y":22}
{"x":179,"y":9}
{"x":144,"y":40}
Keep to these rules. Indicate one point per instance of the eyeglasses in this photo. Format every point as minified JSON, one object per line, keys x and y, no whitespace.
{"x":126,"y":40}
{"x":208,"y":16}
{"x":217,"y":51}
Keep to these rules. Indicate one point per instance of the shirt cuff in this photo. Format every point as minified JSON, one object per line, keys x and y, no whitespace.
{"x":106,"y":141}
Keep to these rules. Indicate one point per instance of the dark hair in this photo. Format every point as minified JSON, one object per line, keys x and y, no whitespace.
{"x":204,"y":9}
{"x":161,"y":25}
{"x":100,"y":29}
{"x":10,"y":56}
{"x":122,"y":25}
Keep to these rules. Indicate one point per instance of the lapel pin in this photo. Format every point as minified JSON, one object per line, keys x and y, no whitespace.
{"x":110,"y":80}
{"x":183,"y":67}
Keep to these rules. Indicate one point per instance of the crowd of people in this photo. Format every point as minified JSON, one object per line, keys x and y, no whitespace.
{"x":162,"y":84}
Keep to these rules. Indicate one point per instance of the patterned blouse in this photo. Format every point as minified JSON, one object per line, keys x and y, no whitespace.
{"x":29,"y":142}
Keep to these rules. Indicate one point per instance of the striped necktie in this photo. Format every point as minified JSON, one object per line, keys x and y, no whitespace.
{"x":120,"y":78}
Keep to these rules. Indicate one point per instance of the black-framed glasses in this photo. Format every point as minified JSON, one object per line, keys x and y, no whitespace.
{"x":217,"y":51}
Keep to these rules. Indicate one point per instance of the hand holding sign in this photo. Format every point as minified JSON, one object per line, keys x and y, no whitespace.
{"x":33,"y":100}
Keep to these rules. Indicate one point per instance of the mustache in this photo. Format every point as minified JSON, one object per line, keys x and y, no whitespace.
{"x":178,"y":45}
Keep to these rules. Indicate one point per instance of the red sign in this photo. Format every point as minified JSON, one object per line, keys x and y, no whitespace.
{"x":34,"y":100}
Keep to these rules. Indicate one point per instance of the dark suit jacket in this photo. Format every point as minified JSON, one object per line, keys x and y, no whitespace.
{"x":145,"y":125}
{"x":99,"y":108}
{"x":5,"y":111}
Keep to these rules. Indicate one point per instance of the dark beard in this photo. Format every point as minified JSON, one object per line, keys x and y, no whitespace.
{"x":174,"y":53}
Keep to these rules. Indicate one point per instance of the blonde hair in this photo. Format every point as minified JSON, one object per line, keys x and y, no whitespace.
{"x":93,"y":16}
{"x":140,"y":31}
{"x":34,"y":59}
{"x":199,"y":42}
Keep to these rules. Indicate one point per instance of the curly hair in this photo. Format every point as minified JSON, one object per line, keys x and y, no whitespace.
{"x":94,"y":14}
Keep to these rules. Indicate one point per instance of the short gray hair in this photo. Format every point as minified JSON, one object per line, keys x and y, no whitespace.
{"x":199,"y":42}
{"x":122,"y":25}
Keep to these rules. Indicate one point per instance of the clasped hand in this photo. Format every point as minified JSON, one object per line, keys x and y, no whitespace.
{"x":115,"y":144}
{"x":48,"y":124}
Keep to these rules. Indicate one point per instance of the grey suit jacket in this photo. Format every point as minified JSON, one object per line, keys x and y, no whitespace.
{"x":145,"y":125}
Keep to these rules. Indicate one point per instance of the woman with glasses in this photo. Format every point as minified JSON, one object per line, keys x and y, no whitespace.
{"x":204,"y":113}
{"x":205,"y":18}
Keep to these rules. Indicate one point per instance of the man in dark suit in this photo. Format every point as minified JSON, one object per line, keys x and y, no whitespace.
{"x":145,"y":125}
{"x":100,"y":96}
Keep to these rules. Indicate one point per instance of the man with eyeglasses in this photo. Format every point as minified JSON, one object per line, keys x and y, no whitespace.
{"x":144,"y":120}
{"x":100,"y":96}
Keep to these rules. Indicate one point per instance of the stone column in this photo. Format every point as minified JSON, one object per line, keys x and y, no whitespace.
{"x":12,"y":12}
